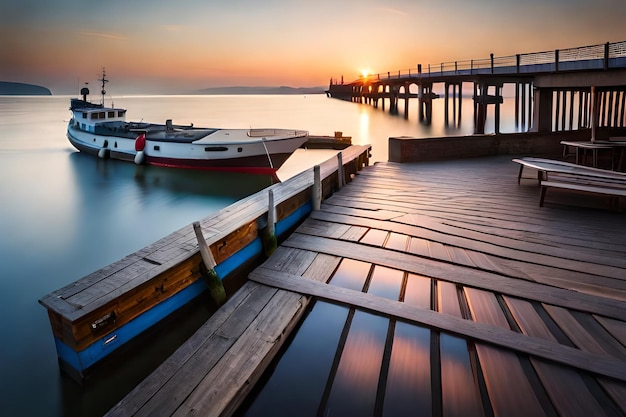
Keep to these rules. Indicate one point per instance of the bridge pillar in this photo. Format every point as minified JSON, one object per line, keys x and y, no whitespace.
{"x":481,"y":100}
{"x":542,"y":110}
{"x":425,"y":98}
{"x":456,"y":97}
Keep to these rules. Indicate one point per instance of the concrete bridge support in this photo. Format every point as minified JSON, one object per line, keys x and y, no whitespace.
{"x":481,"y":100}
{"x":425,"y":98}
{"x":457,"y":99}
{"x":523,"y":104}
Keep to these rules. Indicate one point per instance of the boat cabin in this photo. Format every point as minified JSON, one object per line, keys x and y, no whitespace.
{"x":87,"y":115}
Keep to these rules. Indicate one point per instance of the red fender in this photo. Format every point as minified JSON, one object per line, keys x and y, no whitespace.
{"x":140,"y":142}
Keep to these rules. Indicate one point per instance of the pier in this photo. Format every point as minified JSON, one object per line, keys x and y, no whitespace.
{"x":484,"y":304}
{"x":103,"y":311}
{"x":552,"y":89}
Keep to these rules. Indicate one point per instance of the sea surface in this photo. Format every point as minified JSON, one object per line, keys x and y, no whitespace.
{"x":64,"y":214}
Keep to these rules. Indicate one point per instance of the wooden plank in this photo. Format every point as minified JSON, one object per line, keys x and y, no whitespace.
{"x":418,"y":291}
{"x":571,"y":398}
{"x":519,"y":250}
{"x":487,"y":333}
{"x":461,"y":275}
{"x":616,"y":390}
{"x":459,"y":392}
{"x":225,"y":386}
{"x":586,"y":337}
{"x":518,"y":399}
{"x":485,"y":307}
{"x":448,"y":299}
{"x":408,"y":385}
{"x":163,"y":388}
{"x":616,"y":328}
{"x":528,"y":319}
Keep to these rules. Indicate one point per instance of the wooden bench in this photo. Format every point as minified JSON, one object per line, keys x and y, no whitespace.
{"x":545,"y":167}
{"x":614,"y":188}
{"x":568,"y":176}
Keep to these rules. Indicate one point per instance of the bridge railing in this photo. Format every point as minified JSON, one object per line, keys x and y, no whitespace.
{"x":602,"y":56}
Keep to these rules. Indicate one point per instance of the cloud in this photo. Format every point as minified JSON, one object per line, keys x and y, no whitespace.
{"x":392,"y":11}
{"x":173,"y":28}
{"x":103,"y":35}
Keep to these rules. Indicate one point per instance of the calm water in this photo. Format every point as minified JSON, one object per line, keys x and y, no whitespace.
{"x":64,"y":214}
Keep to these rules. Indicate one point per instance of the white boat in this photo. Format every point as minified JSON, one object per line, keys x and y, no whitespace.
{"x":104,"y":132}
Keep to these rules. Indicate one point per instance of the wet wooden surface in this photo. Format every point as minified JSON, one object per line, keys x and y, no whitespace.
{"x":524,"y":307}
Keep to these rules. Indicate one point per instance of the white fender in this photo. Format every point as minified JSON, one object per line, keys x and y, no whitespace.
{"x":139,"y":158}
{"x":103,"y":153}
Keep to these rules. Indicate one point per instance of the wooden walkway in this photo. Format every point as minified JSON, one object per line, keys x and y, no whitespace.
{"x":522,"y":308}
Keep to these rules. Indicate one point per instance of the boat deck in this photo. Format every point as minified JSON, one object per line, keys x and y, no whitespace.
{"x":441,"y":287}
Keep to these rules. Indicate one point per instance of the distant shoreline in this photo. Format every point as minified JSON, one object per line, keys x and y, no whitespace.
{"x":261,"y":90}
{"x":21,"y":89}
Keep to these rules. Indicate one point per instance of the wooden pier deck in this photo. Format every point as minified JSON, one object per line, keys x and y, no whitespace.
{"x":489,"y":304}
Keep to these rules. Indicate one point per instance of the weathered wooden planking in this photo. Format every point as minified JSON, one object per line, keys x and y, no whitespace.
{"x":223,"y":389}
{"x":164,"y":388}
{"x":534,"y":346}
{"x":485,"y":307}
{"x":448,"y":299}
{"x":587,"y":337}
{"x":472,"y":214}
{"x":567,"y":390}
{"x":409,"y":224}
{"x":499,"y":365}
{"x":207,"y":358}
{"x":507,"y":399}
{"x":616,"y":328}
{"x":460,"y":394}
{"x":525,"y":268}
{"x":528,"y":319}
{"x":459,"y":274}
{"x":616,"y":390}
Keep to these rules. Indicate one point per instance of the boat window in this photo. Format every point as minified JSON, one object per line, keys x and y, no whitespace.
{"x":215,"y":148}
{"x":84,"y":115}
{"x":121,"y":113}
{"x":82,"y":126}
{"x":157,"y":148}
{"x":111,"y":114}
{"x":103,"y":115}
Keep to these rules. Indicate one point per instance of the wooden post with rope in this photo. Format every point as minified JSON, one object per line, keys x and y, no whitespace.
{"x":268,"y":237}
{"x":216,"y":287}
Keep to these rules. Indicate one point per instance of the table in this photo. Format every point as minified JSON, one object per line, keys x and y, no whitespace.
{"x":588,"y":145}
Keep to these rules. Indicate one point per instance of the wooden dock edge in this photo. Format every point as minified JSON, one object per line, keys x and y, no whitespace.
{"x":116,"y":295}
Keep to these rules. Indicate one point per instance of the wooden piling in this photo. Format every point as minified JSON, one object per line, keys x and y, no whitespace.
{"x":216,"y":287}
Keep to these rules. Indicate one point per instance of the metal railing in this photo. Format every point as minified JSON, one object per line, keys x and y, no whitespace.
{"x":602,"y":56}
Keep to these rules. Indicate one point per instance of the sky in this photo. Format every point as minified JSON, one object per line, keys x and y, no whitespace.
{"x":154,"y":46}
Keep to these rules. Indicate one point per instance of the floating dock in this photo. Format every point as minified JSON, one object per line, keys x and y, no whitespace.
{"x":94,"y":316}
{"x":487,"y":305}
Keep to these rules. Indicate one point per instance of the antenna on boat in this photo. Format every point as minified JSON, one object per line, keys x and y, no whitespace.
{"x":104,"y":81}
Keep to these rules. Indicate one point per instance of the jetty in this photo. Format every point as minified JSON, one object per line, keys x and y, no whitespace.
{"x":553,"y":89}
{"x":454,"y":292}
{"x":96,"y":315}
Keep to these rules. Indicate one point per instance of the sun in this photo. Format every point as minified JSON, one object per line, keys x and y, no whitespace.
{"x":366,"y":73}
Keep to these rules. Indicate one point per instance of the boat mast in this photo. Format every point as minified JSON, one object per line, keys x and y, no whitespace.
{"x":104,"y":81}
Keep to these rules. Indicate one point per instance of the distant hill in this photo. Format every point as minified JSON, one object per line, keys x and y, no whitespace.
{"x":21,"y":89}
{"x":262,"y":90}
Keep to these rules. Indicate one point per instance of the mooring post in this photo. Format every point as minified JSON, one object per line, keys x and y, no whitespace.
{"x":317,"y":188}
{"x":216,"y":287}
{"x":268,"y":236}
{"x":340,"y":176}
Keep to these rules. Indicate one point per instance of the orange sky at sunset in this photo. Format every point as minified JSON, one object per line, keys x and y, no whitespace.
{"x":177,"y":47}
